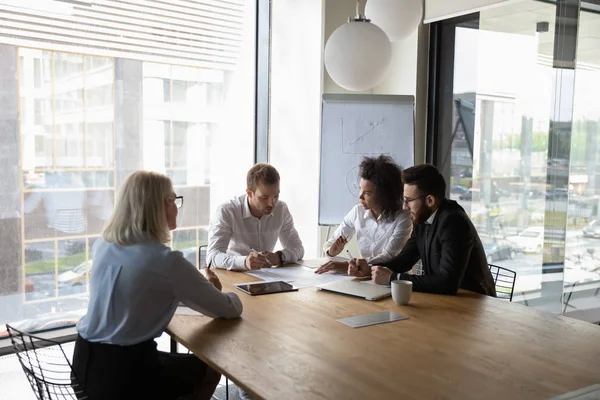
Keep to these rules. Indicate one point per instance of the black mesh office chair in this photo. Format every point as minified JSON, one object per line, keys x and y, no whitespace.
{"x":504,"y":280}
{"x":46,"y":366}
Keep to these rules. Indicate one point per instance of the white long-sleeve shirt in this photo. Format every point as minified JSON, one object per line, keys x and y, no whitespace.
{"x":135,"y":290}
{"x":378,"y":240}
{"x":235,"y":232}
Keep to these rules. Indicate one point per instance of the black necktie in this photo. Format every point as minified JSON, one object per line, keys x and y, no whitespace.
{"x":426,"y":260}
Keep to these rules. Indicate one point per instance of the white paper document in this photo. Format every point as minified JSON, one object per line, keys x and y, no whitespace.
{"x":317,"y":262}
{"x":587,"y":393}
{"x":300,"y":277}
{"x":185,"y":310}
{"x":372,"y":319}
{"x":265,"y":274}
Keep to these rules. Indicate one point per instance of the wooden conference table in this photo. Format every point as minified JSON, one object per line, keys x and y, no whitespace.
{"x":290,"y":346}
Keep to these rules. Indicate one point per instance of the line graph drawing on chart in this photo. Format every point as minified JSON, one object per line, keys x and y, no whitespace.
{"x":355,"y":127}
{"x":363,"y":136}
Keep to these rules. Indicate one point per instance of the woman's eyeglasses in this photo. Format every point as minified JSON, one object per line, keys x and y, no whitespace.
{"x":177,"y":200}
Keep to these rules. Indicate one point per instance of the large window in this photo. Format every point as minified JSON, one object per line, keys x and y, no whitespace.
{"x":582,"y":261}
{"x":520,"y":157}
{"x":162,"y":87}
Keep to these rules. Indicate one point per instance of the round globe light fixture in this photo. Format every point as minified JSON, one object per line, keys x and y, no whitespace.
{"x":358,"y":54}
{"x":398,"y":18}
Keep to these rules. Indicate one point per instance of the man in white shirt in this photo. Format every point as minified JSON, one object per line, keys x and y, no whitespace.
{"x":244,"y":231}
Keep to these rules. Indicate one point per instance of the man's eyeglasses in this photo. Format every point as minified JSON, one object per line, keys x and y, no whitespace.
{"x":177,"y":200}
{"x":407,"y":200}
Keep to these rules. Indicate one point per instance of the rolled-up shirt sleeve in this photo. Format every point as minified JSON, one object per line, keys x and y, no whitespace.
{"x":345,"y":229}
{"x":219,"y":236}
{"x":400,"y":235}
{"x":290,"y":240}
{"x":196,"y":292}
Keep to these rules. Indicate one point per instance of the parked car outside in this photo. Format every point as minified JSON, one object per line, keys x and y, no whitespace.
{"x":592,"y":229}
{"x":531,"y":240}
{"x":473,"y":194}
{"x":74,"y":276}
{"x":459,"y":189}
{"x":498,"y":249}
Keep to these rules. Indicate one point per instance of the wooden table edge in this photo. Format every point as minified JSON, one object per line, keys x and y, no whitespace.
{"x":210,"y":363}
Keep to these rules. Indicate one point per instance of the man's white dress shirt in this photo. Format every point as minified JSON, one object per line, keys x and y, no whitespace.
{"x":235,"y":232}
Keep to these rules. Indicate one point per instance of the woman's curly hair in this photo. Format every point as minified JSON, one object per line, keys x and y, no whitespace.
{"x":386,"y":175}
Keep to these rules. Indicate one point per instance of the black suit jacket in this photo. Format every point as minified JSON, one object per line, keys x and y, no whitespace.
{"x":456,"y":257}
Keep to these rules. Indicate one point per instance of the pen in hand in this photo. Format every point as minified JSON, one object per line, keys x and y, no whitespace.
{"x":261,"y":254}
{"x":212,"y":277}
{"x":348,"y":251}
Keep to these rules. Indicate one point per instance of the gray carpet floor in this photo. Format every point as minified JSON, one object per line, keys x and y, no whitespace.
{"x":220,"y":393}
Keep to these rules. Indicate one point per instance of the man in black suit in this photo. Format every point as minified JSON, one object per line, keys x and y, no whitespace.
{"x":443,"y":237}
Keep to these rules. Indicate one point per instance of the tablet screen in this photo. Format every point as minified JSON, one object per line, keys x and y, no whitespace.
{"x":258,"y":288}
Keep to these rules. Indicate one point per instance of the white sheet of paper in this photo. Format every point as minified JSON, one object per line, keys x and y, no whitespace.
{"x":383,"y":317}
{"x":184,"y":310}
{"x":265,"y":274}
{"x":587,"y":393}
{"x":301,"y":277}
{"x":317,"y":262}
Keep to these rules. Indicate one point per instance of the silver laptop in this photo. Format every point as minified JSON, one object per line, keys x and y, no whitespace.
{"x":356,"y":288}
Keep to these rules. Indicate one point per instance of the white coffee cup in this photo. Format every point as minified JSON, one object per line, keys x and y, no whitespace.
{"x":401,"y":291}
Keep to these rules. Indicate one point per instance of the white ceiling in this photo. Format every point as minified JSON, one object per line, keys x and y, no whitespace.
{"x":522,"y":17}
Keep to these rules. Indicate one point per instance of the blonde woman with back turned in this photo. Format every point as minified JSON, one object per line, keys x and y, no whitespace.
{"x":135,"y":287}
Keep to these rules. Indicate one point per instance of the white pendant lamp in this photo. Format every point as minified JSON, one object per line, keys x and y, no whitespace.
{"x":358,"y":54}
{"x":398,"y":18}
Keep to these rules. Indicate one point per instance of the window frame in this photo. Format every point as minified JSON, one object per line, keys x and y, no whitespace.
{"x":261,"y":135}
{"x":440,"y":91}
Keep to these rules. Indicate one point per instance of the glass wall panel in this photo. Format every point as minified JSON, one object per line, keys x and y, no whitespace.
{"x":582,"y":263}
{"x":505,"y":141}
{"x":78,"y":116}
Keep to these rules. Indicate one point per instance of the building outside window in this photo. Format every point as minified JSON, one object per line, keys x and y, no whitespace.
{"x":518,"y":143}
{"x":160,"y":87}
